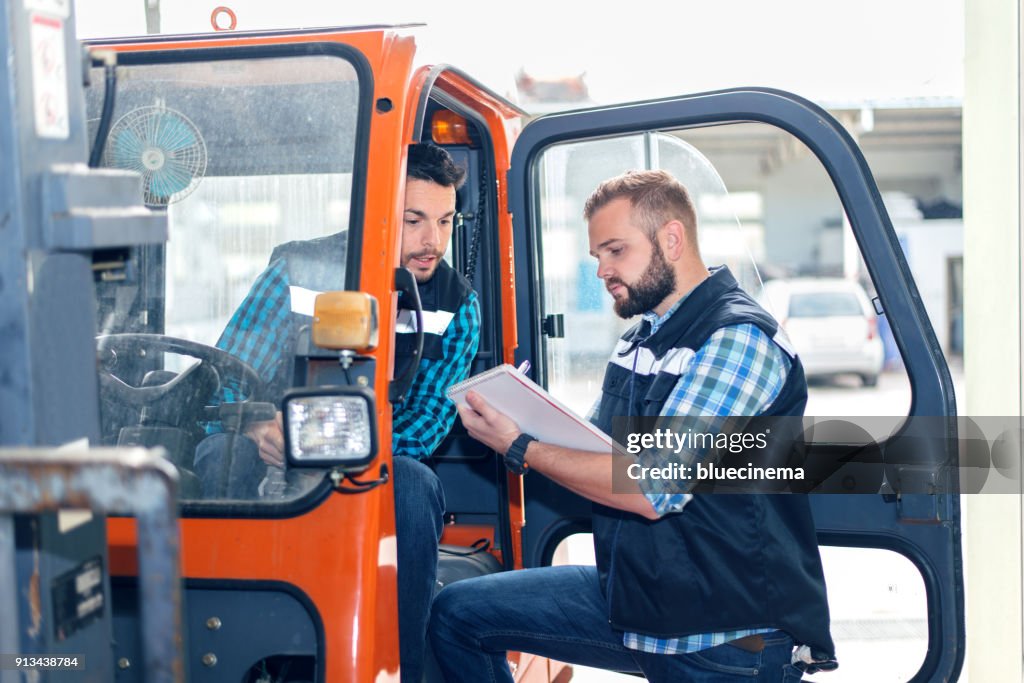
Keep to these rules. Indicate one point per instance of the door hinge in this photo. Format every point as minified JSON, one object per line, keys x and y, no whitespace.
{"x":922,"y":498}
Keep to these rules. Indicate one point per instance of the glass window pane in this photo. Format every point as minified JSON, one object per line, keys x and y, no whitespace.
{"x":245,"y":155}
{"x":768,"y":210}
{"x":569,"y":174}
{"x":809,"y":262}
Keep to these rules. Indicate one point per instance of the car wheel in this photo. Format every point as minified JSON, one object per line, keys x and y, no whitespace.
{"x":869,"y":380}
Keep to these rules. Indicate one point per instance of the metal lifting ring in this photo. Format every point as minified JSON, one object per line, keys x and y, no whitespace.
{"x":215,"y":16}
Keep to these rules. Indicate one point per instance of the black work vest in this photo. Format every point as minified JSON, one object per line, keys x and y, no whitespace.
{"x":441,"y":297}
{"x":727,"y":561}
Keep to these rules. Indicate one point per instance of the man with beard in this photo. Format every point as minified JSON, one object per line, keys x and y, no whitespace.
{"x":263,"y":332}
{"x":688,"y":586}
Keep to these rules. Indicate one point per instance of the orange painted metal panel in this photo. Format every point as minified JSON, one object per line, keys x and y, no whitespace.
{"x":341,"y":554}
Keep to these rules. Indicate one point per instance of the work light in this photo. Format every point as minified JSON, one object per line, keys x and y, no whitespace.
{"x":330,"y":426}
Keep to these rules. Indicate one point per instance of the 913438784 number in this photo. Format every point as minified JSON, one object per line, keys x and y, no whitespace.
{"x":23,"y":662}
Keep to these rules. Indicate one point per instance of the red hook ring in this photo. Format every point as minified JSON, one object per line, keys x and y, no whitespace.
{"x":216,"y":15}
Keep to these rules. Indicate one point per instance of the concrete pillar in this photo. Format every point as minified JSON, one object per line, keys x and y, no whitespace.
{"x":992,"y":307}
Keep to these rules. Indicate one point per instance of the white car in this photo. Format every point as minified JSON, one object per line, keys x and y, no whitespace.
{"x":831,"y":323}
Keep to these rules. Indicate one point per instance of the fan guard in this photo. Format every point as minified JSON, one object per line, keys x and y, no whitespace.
{"x":162,"y":145}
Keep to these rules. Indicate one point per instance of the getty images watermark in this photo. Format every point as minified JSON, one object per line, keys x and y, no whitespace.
{"x":929,"y":455}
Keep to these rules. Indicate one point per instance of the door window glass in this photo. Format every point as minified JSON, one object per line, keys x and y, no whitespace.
{"x":766,"y":209}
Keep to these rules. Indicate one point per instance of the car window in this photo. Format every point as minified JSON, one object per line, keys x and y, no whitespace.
{"x":824,"y":304}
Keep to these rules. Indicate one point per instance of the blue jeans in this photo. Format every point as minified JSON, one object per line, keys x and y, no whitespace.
{"x":560,"y":612}
{"x":419,"y":520}
{"x":229,"y":466}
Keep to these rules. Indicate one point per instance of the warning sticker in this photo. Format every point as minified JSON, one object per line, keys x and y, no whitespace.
{"x":77,"y":597}
{"x":49,"y":77}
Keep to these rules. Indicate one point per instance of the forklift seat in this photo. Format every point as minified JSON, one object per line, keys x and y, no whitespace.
{"x":454,"y":564}
{"x":458,"y":562}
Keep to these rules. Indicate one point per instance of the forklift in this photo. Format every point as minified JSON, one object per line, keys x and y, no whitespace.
{"x":148,"y":182}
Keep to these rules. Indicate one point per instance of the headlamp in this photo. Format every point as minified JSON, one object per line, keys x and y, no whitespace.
{"x":329,"y":427}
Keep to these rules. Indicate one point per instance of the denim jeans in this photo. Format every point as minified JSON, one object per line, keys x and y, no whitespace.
{"x":229,"y":466}
{"x":419,"y":520}
{"x":560,"y":612}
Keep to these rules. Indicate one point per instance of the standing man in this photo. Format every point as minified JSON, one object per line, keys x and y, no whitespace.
{"x":263,"y":331}
{"x":687,"y":587}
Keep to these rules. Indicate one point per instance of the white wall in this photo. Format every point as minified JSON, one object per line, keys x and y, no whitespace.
{"x":799,"y":200}
{"x":936,"y":172}
{"x":928,"y":246}
{"x":107,"y":18}
{"x":992,"y":308}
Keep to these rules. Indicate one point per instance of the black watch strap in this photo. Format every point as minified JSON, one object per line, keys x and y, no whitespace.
{"x":515,"y":457}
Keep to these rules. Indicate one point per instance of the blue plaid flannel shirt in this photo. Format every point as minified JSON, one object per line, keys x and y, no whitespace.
{"x":738,"y":371}
{"x":260,"y":334}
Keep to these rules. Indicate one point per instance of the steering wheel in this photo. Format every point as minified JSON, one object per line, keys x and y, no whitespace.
{"x":174,"y":400}
{"x":168,"y":409}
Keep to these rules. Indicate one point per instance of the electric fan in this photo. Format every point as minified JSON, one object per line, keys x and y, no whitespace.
{"x":164,"y":147}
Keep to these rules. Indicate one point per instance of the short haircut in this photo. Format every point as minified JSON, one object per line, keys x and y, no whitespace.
{"x":656,"y":198}
{"x":427,"y":161}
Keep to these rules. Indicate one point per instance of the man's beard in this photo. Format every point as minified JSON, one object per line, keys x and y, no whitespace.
{"x":650,"y":289}
{"x":422,"y":278}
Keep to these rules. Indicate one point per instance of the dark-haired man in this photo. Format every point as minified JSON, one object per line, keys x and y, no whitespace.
{"x":263,"y":331}
{"x":688,"y":586}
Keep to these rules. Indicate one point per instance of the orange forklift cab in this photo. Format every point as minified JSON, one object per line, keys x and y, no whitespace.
{"x":321,"y":559}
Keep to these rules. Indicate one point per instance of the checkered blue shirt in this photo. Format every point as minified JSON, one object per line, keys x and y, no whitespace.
{"x":260,"y":333}
{"x":738,"y":371}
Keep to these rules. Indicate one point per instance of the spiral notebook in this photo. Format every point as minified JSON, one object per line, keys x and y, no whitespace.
{"x":537,"y":412}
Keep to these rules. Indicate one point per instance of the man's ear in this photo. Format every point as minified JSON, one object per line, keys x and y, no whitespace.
{"x":673,"y":240}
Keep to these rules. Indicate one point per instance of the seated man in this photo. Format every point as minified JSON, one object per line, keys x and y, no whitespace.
{"x":263,"y":332}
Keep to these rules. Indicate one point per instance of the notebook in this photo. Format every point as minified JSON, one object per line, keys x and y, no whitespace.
{"x":537,"y":412}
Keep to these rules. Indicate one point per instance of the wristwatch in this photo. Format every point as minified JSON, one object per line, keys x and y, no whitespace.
{"x":515,"y":457}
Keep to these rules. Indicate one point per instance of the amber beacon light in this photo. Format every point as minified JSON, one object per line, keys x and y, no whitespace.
{"x":448,"y":128}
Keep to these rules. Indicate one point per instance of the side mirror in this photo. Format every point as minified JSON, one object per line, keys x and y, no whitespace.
{"x":345,"y":321}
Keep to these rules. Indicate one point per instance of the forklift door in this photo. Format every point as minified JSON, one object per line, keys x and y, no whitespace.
{"x":557,"y":161}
